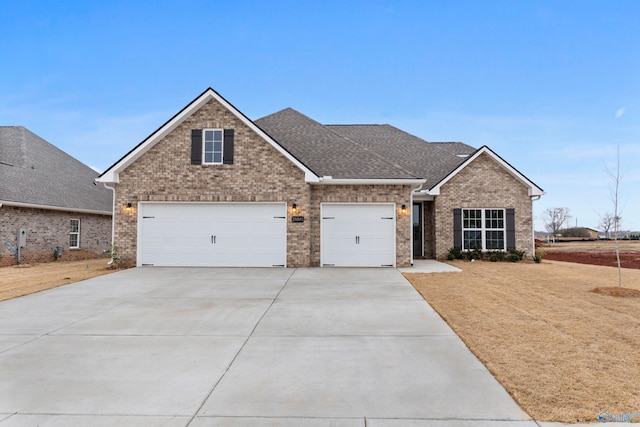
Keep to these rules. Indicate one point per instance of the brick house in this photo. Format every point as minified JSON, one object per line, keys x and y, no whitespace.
{"x":51,"y":200}
{"x":211,"y":187}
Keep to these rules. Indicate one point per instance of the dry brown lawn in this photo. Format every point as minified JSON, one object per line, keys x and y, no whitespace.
{"x":593,"y":245}
{"x":563,"y":352}
{"x":19,"y":280}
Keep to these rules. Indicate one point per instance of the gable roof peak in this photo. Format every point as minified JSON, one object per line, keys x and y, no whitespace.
{"x":111,"y":175}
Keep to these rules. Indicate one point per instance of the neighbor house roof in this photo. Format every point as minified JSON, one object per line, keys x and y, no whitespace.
{"x":35,"y":173}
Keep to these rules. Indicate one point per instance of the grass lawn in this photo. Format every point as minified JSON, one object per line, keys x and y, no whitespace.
{"x":19,"y":280}
{"x":564,"y":353}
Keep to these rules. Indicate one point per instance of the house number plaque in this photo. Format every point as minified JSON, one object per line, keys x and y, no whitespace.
{"x":297,"y":219}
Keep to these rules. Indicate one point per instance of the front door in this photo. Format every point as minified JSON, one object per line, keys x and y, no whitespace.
{"x":416,"y":217}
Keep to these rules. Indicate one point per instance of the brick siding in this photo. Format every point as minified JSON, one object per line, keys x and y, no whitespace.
{"x":47,"y":229}
{"x":259,"y":173}
{"x":482,"y":184}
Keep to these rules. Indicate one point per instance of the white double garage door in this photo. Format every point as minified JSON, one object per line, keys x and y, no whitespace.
{"x":255,"y":234}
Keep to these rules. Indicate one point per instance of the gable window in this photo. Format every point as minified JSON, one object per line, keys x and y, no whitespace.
{"x":212,"y":147}
{"x":484,"y":229}
{"x":74,"y":233}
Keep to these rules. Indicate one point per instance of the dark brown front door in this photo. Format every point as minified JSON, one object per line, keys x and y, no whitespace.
{"x":416,"y":218}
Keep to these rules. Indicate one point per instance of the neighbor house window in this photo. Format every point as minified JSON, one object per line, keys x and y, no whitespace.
{"x":74,"y":233}
{"x":483,"y":229}
{"x":212,"y":147}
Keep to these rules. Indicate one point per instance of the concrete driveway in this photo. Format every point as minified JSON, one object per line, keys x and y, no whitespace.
{"x":236,"y":347}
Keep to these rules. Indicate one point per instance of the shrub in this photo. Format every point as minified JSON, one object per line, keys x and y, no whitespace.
{"x":496,"y":256}
{"x":455,"y":253}
{"x":537,"y":258}
{"x":516,"y":255}
{"x":475,"y":253}
{"x":115,"y":255}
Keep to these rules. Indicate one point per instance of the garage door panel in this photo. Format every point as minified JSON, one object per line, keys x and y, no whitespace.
{"x":212,"y":234}
{"x":360,"y":235}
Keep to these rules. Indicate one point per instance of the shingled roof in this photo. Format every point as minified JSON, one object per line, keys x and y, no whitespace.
{"x":36,"y":173}
{"x":431,"y":161}
{"x":327,"y":152}
{"x":363,"y":151}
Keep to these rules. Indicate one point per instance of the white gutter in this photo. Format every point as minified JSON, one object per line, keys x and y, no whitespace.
{"x":52,"y":208}
{"x":373,"y":181}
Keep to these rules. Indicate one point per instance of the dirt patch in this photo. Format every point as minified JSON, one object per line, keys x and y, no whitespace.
{"x":617,"y":292}
{"x":564,"y":353}
{"x":24,"y":279}
{"x":606,"y":258}
{"x":600,"y":252}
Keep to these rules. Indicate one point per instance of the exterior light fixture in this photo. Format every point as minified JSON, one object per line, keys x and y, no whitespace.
{"x":403,"y":208}
{"x":129,"y":207}
{"x":294,"y":208}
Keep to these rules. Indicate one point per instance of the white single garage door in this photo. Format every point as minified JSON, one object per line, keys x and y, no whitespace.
{"x":212,"y":234}
{"x":358,"y":235}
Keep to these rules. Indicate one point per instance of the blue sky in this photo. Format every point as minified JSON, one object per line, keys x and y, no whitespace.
{"x":552,"y":86}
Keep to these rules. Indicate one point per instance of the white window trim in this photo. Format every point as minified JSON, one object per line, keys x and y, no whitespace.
{"x":483,"y":229}
{"x":77,"y":233}
{"x":204,"y":144}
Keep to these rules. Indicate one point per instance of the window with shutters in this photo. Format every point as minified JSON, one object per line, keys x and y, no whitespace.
{"x":484,"y":229}
{"x":74,"y":233}
{"x":212,"y":147}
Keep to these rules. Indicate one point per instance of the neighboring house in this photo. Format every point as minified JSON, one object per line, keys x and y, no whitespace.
{"x":593,"y":234}
{"x":211,"y":187}
{"x":52,"y":199}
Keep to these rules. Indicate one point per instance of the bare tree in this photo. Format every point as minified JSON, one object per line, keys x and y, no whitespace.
{"x":555,"y":218}
{"x":614,"y":192}
{"x":609,"y":221}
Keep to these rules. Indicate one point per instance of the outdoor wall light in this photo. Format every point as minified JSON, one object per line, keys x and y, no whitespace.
{"x":294,"y":208}
{"x":403,"y":208}
{"x":129,"y":207}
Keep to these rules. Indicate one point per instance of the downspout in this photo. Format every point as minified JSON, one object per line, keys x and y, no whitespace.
{"x":533,"y":225}
{"x":113,"y":220}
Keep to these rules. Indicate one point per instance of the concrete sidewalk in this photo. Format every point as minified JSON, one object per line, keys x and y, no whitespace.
{"x":236,"y":347}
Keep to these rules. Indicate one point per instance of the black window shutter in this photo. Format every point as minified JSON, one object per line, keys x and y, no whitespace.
{"x":196,"y":146}
{"x":227,"y":151}
{"x":457,"y":228}
{"x":511,"y":228}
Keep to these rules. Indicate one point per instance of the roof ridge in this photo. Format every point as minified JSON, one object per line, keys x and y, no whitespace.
{"x":277,"y":112}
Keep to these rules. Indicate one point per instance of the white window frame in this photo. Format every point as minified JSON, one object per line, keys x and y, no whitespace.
{"x":213,"y":152}
{"x":484,"y":228}
{"x":74,"y":233}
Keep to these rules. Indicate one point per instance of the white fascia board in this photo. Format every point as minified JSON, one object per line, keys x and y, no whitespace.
{"x":338,"y":181}
{"x":111,"y":175}
{"x":52,"y":208}
{"x":533,"y":190}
